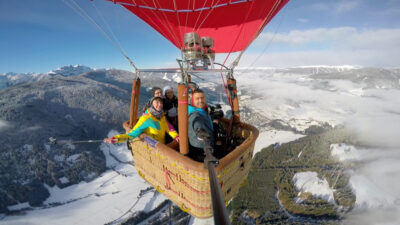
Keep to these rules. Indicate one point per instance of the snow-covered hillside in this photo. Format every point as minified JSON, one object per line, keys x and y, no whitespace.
{"x":113,"y":197}
{"x":11,"y":79}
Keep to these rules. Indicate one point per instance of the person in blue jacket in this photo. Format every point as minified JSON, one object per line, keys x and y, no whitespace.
{"x":199,"y":122}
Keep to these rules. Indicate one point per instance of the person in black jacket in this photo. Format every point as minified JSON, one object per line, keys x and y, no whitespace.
{"x":171,"y":106}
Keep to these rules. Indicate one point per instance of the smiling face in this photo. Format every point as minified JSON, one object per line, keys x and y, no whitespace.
{"x":169,"y":93}
{"x":199,"y":101}
{"x":157,"y":93}
{"x":157,"y":104}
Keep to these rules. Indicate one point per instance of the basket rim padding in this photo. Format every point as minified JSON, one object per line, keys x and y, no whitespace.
{"x":199,"y":166}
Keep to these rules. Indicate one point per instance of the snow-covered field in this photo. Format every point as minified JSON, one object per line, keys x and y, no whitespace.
{"x":113,"y":197}
{"x":270,"y":137}
{"x":310,"y":183}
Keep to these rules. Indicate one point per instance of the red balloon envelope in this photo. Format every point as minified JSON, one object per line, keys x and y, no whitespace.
{"x":233,"y":24}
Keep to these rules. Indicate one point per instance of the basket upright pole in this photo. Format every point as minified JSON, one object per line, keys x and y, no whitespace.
{"x":134,"y":102}
{"x":234,"y":99}
{"x":183,"y":118}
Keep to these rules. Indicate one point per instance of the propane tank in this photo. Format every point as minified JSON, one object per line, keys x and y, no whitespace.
{"x":207,"y":44}
{"x":192,"y":46}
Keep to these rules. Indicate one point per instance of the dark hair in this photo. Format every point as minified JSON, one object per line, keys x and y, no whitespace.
{"x":198,"y":90}
{"x":154,"y":89}
{"x":159,"y":99}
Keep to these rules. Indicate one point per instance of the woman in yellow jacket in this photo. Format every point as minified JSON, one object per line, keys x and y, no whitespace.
{"x":152,"y":122}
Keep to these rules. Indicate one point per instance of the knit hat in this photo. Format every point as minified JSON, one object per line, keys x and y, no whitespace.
{"x":155,"y":98}
{"x":153,"y":111}
{"x":166,"y":88}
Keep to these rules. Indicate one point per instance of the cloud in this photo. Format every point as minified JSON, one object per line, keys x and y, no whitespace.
{"x":335,"y":46}
{"x":302,"y":20}
{"x":338,"y":7}
{"x":320,"y":6}
{"x":382,"y":130}
{"x":303,"y":37}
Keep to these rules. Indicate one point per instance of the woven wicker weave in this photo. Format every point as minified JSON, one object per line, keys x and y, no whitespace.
{"x":185,"y":181}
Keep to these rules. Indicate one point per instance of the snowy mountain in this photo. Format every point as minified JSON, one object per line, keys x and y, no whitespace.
{"x":70,"y":70}
{"x":11,"y":79}
{"x":367,"y":78}
{"x":285,"y":104}
{"x":303,"y":70}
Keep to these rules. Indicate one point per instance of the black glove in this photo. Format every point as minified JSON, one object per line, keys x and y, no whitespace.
{"x":202,"y":135}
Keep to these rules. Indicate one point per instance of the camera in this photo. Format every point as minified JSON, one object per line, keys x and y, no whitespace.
{"x":215,"y":112}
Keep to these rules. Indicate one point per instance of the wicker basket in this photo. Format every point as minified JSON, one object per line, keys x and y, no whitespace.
{"x":185,"y":181}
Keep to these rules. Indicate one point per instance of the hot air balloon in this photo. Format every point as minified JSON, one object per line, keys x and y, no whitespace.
{"x":200,"y":29}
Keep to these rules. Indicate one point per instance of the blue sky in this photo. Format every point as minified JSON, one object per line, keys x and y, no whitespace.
{"x":38,"y":36}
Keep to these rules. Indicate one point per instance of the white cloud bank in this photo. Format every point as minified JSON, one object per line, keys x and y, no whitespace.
{"x":375,"y":182}
{"x":327,"y":46}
